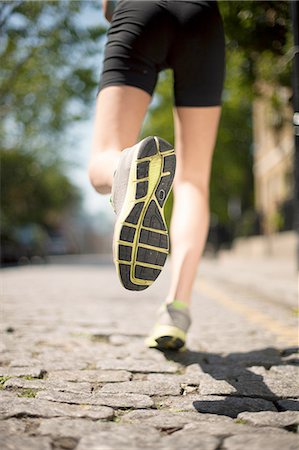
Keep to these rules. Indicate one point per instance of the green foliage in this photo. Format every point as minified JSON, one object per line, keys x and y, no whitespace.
{"x":261,"y":31}
{"x":47,"y":70}
{"x":47,"y":81}
{"x":33,"y":191}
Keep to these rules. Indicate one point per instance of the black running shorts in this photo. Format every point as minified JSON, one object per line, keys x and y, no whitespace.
{"x":146,"y":37}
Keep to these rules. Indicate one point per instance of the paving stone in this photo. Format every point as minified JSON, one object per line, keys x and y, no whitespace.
{"x":133,"y":365}
{"x":34,"y":372}
{"x":45,"y":384}
{"x":282,"y":385}
{"x":24,"y":362}
{"x":286,"y":369}
{"x":143,"y":387}
{"x":289,"y":405}
{"x":12,"y":426}
{"x":165,"y":420}
{"x":114,"y":400}
{"x":270,"y":418}
{"x":225,"y":372}
{"x":209,"y":386}
{"x":270,"y":388}
{"x":25,"y":443}
{"x":91,"y":376}
{"x":60,"y":362}
{"x":187,"y":439}
{"x":228,"y":406}
{"x":255,"y":382}
{"x":273,"y":441}
{"x":120,"y":339}
{"x":33,"y":407}
{"x":186,"y":378}
{"x":222,"y":429}
{"x":68,"y":427}
{"x":137,"y":350}
{"x":266,"y":357}
{"x":117,"y":436}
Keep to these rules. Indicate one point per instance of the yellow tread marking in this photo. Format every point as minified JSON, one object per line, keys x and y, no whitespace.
{"x":136,"y":180}
{"x":287,"y":334}
{"x":150,"y":247}
{"x":142,"y":264}
{"x":168,"y":152}
{"x":128,"y":224}
{"x":155,"y":230}
{"x":125,"y":243}
{"x":151,"y":266}
{"x":120,"y":261}
{"x":146,"y":158}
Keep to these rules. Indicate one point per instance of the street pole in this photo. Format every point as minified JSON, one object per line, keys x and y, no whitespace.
{"x":295,"y":22}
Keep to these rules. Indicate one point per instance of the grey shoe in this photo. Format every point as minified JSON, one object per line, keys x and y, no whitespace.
{"x":171,"y":328}
{"x":141,"y":185}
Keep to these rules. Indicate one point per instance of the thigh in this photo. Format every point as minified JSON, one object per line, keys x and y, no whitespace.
{"x":120,"y":111}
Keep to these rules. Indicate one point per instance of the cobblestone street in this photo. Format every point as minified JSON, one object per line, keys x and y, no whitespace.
{"x":75,"y":373}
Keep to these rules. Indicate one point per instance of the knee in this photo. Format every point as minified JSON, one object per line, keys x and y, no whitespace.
{"x":95,"y":177}
{"x":196,"y":185}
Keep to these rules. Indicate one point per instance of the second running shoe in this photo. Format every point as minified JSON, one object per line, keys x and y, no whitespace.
{"x":141,"y":185}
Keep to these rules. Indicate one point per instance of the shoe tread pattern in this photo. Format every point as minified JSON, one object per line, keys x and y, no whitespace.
{"x":157,"y":236}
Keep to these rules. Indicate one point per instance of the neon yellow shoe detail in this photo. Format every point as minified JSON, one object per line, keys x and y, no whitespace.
{"x":171,"y":328}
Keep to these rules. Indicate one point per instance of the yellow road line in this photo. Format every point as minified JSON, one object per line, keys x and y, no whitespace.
{"x":289,"y":335}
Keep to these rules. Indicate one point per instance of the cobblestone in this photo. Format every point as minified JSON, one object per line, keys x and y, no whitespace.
{"x":136,"y":365}
{"x":117,"y":436}
{"x":124,"y":400}
{"x":270,"y":418}
{"x":33,"y":407}
{"x":227,"y":406}
{"x":143,"y":387}
{"x":45,"y":384}
{"x":25,"y":443}
{"x":269,"y":441}
{"x":75,"y":374}
{"x":34,"y":372}
{"x":91,"y":376}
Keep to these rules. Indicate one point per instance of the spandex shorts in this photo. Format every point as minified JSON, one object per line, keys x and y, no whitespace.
{"x":146,"y":37}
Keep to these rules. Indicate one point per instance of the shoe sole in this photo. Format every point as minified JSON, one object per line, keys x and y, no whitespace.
{"x":141,"y":242}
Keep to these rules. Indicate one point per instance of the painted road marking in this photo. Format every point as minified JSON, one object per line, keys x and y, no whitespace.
{"x":288,"y":335}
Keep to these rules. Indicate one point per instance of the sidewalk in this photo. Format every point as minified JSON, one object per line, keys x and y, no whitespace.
{"x":76,"y":375}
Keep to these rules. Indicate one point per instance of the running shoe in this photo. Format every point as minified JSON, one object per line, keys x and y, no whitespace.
{"x":141,"y":185}
{"x":171,"y":328}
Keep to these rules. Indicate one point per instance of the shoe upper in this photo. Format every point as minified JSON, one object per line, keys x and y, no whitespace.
{"x":170,"y":315}
{"x":121,"y":179}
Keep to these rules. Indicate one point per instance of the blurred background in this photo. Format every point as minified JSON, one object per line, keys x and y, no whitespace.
{"x":51,"y":55}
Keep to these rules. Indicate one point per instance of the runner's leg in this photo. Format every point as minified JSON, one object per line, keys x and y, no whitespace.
{"x":120,"y":111}
{"x":195,"y":135}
